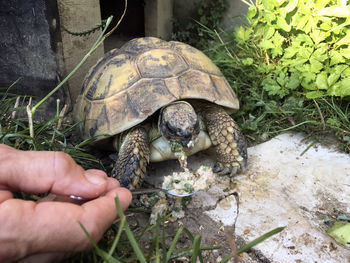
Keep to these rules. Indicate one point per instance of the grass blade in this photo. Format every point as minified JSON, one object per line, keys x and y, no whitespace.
{"x":116,"y":239}
{"x":129,"y":233}
{"x":196,"y":248}
{"x":173,"y":243}
{"x":253,"y":243}
{"x":260,"y":239}
{"x":99,"y":251}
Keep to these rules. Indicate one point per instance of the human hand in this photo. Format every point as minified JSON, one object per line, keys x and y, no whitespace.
{"x":48,"y":231}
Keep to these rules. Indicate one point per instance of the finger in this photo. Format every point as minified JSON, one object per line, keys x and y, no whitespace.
{"x":40,"y":172}
{"x":102,"y":212}
{"x":111,"y":184}
{"x":31,"y":228}
{"x":5,"y":195}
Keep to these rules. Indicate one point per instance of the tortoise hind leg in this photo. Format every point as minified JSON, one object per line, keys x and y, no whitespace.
{"x":229,"y":143}
{"x":133,"y":158}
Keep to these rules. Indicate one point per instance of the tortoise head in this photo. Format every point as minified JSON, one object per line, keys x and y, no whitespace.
{"x":178,"y":123}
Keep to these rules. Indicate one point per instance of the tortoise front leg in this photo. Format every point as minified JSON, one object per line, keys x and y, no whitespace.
{"x":229,"y":143}
{"x":133,"y":159}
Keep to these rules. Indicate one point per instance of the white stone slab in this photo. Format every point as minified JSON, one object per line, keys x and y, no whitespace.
{"x":282,"y":188}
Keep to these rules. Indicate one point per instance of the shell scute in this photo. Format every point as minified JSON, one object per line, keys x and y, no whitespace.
{"x":114,"y":76}
{"x":197,"y":85}
{"x":160,"y":63}
{"x":135,"y":46}
{"x":197,"y":59}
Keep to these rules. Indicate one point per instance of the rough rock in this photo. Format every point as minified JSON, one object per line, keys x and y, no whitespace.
{"x":29,"y":50}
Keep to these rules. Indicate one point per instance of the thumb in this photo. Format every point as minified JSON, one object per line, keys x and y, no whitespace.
{"x":41,"y":172}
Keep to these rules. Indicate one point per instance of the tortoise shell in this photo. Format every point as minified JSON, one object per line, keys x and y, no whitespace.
{"x":129,"y":84}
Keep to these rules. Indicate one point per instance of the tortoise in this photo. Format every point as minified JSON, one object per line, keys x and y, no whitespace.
{"x":151,"y":99}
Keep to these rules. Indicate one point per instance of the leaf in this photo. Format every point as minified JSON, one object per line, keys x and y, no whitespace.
{"x":251,"y":11}
{"x":268,"y":32}
{"x":345,"y":40}
{"x":314,"y":94}
{"x":270,"y":17}
{"x":345,"y":87}
{"x":247,"y":61}
{"x":304,"y":38}
{"x":340,"y":68}
{"x":336,"y":57}
{"x":321,"y":4}
{"x":316,"y":66}
{"x":334,"y":90}
{"x":321,"y":53}
{"x":332,"y":78}
{"x":269,"y":4}
{"x":301,"y":21}
{"x":305,"y":52}
{"x":333,"y":122}
{"x":345,"y":52}
{"x":277,"y":40}
{"x":282,"y":24}
{"x":340,"y":231}
{"x":266,"y":44}
{"x":298,"y":62}
{"x":289,"y":52}
{"x":306,"y":67}
{"x":335,"y":11}
{"x":321,"y":81}
{"x":291,"y":5}
{"x":241,"y":34}
{"x":272,"y":87}
{"x":308,"y":81}
{"x":293,"y":82}
{"x":325,"y":26}
{"x":346,"y":73}
{"x":341,"y":88}
{"x":346,"y":23}
{"x":318,"y":36}
{"x":281,"y":79}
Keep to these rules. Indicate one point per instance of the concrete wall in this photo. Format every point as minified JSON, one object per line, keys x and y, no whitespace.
{"x":234,"y":16}
{"x":79,"y":16}
{"x":158,"y":15}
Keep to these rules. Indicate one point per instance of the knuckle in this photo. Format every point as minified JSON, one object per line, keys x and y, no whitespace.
{"x":63,"y":161}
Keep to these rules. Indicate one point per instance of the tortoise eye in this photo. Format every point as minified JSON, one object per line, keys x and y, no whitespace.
{"x":170,"y":129}
{"x":196,"y":126}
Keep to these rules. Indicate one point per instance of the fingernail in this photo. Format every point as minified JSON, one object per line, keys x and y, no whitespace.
{"x":95,"y":179}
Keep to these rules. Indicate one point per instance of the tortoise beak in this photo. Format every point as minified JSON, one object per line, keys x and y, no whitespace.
{"x":187,"y":142}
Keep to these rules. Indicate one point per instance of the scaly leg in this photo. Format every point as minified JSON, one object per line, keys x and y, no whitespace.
{"x":133,"y":159}
{"x":229,"y":143}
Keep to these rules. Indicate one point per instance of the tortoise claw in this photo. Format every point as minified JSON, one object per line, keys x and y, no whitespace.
{"x":221,"y":169}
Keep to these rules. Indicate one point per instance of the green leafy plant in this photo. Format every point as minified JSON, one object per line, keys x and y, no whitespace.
{"x":270,"y":87}
{"x":305,"y":46}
